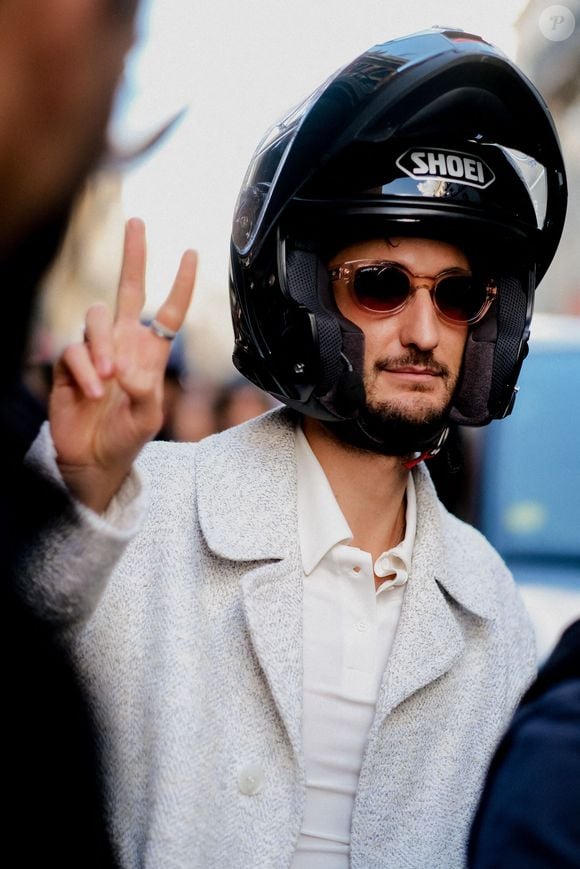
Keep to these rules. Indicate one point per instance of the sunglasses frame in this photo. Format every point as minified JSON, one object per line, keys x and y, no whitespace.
{"x":347,"y":271}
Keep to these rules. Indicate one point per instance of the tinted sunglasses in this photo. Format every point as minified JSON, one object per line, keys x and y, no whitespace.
{"x":384,"y":287}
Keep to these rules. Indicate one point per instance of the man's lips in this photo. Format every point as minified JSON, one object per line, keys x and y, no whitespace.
{"x":413,"y":372}
{"x":414,"y":368}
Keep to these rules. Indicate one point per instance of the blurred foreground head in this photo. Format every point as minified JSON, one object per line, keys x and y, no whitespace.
{"x":60,"y":64}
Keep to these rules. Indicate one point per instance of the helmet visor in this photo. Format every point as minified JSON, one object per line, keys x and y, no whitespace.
{"x":263,"y":171}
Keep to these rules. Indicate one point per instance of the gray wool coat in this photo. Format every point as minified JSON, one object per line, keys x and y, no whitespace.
{"x":188,"y":635}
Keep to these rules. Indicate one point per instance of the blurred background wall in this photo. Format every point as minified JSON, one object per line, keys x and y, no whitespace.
{"x":550,"y":56}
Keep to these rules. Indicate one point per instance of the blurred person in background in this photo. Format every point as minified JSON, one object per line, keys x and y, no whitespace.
{"x":297,"y":657}
{"x":193,"y":415}
{"x":60,"y":63}
{"x":238,"y":401}
{"x":175,"y":378}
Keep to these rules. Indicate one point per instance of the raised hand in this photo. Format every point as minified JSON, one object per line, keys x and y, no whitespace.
{"x":106,"y":402}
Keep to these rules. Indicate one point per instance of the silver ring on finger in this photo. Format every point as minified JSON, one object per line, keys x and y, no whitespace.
{"x":162,"y":331}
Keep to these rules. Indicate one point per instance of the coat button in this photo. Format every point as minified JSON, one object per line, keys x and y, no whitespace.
{"x":251,"y":779}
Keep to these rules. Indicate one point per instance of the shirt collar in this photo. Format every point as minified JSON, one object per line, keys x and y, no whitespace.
{"x":395,"y":563}
{"x":321,"y":522}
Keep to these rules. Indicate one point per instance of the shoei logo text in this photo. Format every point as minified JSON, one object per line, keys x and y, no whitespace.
{"x":446,"y":166}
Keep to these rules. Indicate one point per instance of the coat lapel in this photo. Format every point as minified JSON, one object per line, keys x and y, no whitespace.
{"x":429,"y":638}
{"x":272,"y":602}
{"x":247,"y":502}
{"x":246,"y":489}
{"x":427,"y":643}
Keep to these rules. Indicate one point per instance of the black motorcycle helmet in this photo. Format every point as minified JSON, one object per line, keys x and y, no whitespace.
{"x":436,"y":135}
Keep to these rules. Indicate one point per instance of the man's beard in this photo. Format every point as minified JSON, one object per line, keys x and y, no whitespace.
{"x":404,"y":431}
{"x":396,"y":433}
{"x":387,"y":428}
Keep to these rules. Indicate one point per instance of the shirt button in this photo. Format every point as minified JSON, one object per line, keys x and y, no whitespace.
{"x":251,"y":780}
{"x":361,"y":626}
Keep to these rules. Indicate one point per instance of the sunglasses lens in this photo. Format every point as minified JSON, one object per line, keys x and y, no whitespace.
{"x":381,"y":288}
{"x":459,"y":299}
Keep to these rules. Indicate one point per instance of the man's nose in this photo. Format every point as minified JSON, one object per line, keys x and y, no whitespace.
{"x":420,"y":324}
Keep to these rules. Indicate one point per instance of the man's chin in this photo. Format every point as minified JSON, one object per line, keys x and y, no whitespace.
{"x":401,"y":432}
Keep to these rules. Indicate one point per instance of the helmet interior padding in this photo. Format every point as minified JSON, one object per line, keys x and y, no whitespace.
{"x":341,"y":342}
{"x":491,"y":349}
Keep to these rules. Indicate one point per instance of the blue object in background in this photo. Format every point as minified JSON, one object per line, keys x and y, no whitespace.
{"x":530,"y":471}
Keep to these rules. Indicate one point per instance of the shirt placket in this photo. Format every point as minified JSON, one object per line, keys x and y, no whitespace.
{"x":359,"y":622}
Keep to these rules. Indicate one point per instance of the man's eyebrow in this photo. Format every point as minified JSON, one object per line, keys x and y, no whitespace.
{"x":461,"y":270}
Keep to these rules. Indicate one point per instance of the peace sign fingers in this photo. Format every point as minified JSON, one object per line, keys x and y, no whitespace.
{"x":108,"y":399}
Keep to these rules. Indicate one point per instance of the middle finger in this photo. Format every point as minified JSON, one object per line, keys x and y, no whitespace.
{"x":99,"y":337}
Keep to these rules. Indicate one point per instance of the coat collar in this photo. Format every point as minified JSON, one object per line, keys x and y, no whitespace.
{"x":247,"y":501}
{"x":246,"y":489}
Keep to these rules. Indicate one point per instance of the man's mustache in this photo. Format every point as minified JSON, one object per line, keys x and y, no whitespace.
{"x":420,"y":358}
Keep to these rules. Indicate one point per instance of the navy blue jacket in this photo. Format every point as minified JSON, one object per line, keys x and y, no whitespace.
{"x":529,"y":814}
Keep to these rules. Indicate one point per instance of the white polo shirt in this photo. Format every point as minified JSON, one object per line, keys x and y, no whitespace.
{"x":348,"y":634}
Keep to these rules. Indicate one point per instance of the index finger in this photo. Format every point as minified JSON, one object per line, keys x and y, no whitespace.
{"x":173,"y":310}
{"x":131,"y":293}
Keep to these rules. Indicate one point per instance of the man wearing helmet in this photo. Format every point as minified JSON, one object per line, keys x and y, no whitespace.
{"x":297,"y":657}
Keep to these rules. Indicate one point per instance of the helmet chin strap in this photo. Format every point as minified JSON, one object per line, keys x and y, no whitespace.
{"x":355,"y":433}
{"x":427,"y":454}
